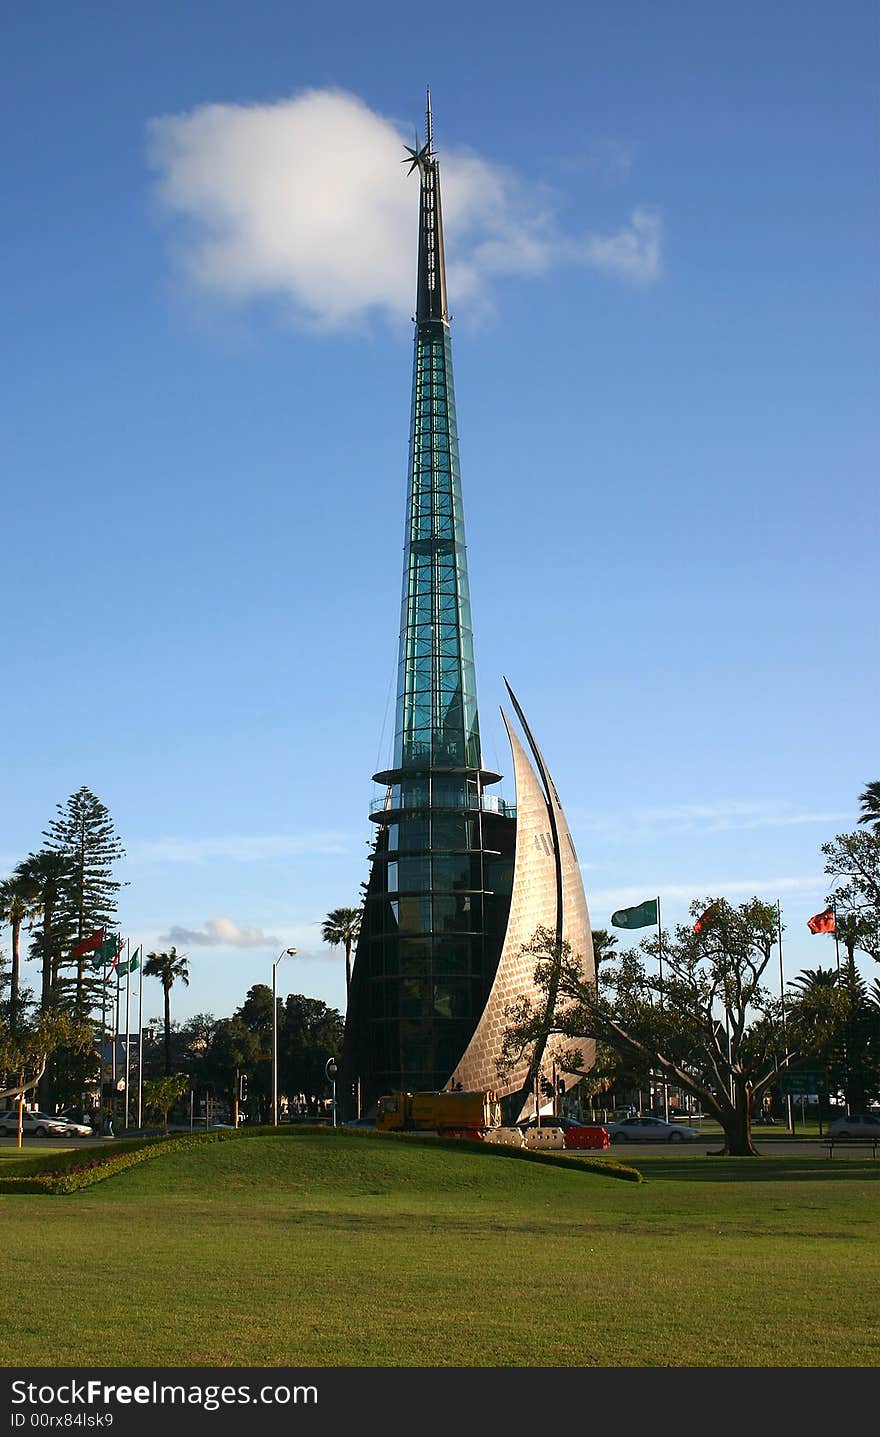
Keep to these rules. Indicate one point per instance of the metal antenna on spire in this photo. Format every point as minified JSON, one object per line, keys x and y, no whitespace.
{"x":429,"y":124}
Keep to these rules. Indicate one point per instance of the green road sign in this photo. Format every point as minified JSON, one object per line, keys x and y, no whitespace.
{"x":803,"y":1080}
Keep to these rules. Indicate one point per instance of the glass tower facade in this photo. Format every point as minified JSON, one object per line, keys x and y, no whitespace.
{"x":442,"y":864}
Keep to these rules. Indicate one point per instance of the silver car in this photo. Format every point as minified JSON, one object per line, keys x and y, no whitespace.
{"x":72,"y":1128}
{"x":33,"y":1124}
{"x":650,"y":1130}
{"x":860,"y":1125}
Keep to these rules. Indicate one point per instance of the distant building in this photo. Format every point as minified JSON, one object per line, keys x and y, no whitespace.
{"x":459,"y":879}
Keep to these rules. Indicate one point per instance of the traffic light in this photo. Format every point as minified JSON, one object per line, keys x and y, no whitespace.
{"x":546,"y":1087}
{"x":560,"y":1087}
{"x":242,"y":1087}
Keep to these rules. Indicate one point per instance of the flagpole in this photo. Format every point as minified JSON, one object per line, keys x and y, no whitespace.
{"x":115,"y":1033}
{"x":836,"y":943}
{"x":788,"y":1097}
{"x":660,"y":957}
{"x":127,"y":1002}
{"x":103,"y":1044}
{"x":141,"y":1040}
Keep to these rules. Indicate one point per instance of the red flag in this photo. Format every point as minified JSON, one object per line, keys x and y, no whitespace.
{"x":89,"y":944}
{"x":709,"y":913}
{"x":822,"y":922}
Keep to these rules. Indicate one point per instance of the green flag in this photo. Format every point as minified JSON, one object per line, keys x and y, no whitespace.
{"x":131,"y":966}
{"x":105,"y":954}
{"x":638,"y":917}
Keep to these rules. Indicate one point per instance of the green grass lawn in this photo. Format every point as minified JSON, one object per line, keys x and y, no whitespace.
{"x":355,"y":1249}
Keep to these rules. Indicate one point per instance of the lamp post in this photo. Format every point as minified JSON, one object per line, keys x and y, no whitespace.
{"x":286,"y":953}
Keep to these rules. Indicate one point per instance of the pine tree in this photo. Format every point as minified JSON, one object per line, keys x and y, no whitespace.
{"x":84,"y":833}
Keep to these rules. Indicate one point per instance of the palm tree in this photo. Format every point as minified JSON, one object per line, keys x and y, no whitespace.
{"x":870,"y":801}
{"x":343,"y":926}
{"x":603,"y":943}
{"x":811,"y":981}
{"x":18,"y":902}
{"x":168,"y":967}
{"x":46,"y":873}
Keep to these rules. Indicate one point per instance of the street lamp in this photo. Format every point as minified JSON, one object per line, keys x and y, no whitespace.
{"x":286,"y":953}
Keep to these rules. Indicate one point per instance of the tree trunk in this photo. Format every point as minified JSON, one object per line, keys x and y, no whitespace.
{"x":737,"y":1124}
{"x":168,"y":1030}
{"x":14,"y":977}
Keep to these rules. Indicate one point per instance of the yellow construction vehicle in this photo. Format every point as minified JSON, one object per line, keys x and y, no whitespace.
{"x":449,"y":1112}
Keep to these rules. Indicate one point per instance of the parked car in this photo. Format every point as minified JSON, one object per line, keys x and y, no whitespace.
{"x":650,"y":1130}
{"x":859,"y":1125}
{"x":33,"y":1124}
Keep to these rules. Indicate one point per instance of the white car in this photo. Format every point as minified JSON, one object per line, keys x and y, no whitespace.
{"x":73,"y":1129}
{"x":860,"y":1125}
{"x":33,"y":1124}
{"x":650,"y":1130}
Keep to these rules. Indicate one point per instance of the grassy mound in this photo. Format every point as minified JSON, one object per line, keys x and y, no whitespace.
{"x":70,"y":1171}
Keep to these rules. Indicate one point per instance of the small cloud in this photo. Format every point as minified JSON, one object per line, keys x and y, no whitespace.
{"x":614,"y":898}
{"x":221,"y":933}
{"x":244,"y":848}
{"x":305,"y":201}
{"x":725,"y":816}
{"x":632,"y":253}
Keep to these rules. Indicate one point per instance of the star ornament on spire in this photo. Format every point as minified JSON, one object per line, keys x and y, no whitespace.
{"x":418,"y":158}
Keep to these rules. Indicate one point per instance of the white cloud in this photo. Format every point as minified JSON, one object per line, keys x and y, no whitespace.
{"x":633,"y":252}
{"x":677,"y":893}
{"x":727,"y":815}
{"x":306,"y":199}
{"x":245,"y":848}
{"x":221,"y":933}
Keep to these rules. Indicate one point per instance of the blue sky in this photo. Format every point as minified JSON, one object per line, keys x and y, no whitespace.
{"x":662,"y":229}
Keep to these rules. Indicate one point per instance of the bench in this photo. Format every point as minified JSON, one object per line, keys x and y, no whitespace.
{"x":832,"y":1143}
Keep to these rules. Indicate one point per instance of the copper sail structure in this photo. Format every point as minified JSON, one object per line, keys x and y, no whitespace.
{"x":439,"y":895}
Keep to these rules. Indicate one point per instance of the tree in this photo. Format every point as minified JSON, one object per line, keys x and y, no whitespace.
{"x":853,"y":861}
{"x":870,"y":802}
{"x":234,"y":1049}
{"x":834,"y":1019}
{"x":25,"y":1054}
{"x":18,"y":903}
{"x":45,"y":874}
{"x":84,"y":833}
{"x":160,"y":1094}
{"x":604,"y":944}
{"x":168,"y":968}
{"x":343,"y":925}
{"x":711,"y":1028}
{"x":256,"y":1015}
{"x":312,"y":1033}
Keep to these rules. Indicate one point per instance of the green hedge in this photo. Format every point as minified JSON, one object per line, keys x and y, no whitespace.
{"x":71,"y":1172}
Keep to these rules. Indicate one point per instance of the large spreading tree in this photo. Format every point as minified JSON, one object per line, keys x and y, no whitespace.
{"x":711,"y":1028}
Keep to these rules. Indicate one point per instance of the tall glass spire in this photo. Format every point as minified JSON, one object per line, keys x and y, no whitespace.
{"x":439,"y":891}
{"x":436,"y":690}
